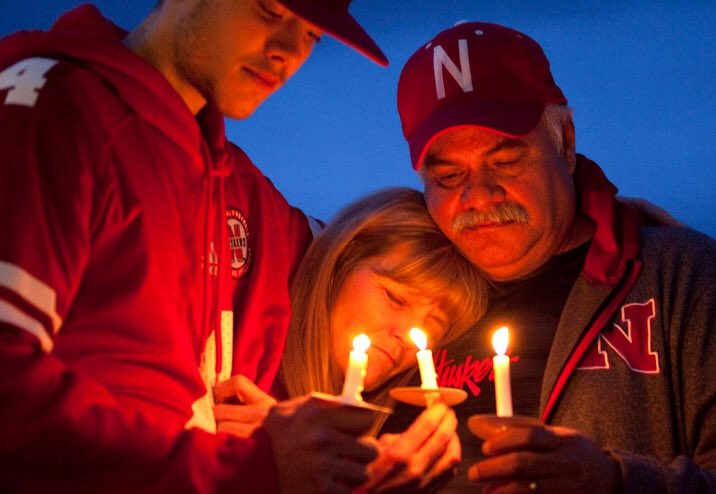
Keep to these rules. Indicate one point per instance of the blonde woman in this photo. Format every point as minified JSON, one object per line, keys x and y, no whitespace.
{"x":380,"y":267}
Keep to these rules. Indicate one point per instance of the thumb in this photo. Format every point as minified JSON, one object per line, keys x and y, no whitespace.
{"x":242,"y":388}
{"x":249,"y":393}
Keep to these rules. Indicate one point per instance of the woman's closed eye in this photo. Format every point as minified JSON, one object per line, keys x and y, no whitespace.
{"x":394,"y":298}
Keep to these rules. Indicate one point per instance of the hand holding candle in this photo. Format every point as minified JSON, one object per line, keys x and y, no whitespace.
{"x":501,"y":371}
{"x":428,"y":375}
{"x":355,"y":372}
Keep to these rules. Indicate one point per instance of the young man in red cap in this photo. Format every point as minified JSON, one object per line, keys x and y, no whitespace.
{"x":611,"y":322}
{"x":132,"y":227}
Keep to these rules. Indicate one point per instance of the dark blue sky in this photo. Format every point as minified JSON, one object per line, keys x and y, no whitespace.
{"x":640,"y":76}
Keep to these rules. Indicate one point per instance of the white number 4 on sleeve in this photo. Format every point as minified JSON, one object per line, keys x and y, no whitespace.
{"x":25,"y":79}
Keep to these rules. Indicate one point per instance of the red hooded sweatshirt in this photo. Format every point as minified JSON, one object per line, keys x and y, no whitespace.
{"x":130,"y":230}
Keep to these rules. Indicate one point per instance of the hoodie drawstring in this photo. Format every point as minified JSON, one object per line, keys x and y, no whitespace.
{"x":223,"y":271}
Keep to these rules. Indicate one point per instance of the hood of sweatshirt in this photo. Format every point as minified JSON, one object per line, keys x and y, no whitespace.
{"x":86,"y":37}
{"x":617,"y":237}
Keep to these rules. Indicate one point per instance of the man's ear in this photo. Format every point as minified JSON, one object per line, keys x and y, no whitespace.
{"x":569,"y":144}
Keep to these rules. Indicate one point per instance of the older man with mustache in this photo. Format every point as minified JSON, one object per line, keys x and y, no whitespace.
{"x":612,"y":322}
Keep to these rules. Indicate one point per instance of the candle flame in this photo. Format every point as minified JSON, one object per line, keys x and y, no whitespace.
{"x":499,"y":340}
{"x":361,"y":343}
{"x":419,"y":338}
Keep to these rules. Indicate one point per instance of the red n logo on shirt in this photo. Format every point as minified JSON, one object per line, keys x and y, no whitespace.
{"x":632,"y":344}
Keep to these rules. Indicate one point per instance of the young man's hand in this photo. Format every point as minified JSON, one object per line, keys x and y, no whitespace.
{"x":319,"y":446}
{"x":241,"y":406}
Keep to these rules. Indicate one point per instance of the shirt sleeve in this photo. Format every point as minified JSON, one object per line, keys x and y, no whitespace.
{"x":63,"y":434}
{"x":693,"y":369}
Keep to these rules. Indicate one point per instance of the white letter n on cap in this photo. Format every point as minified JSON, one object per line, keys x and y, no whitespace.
{"x":461,"y":75}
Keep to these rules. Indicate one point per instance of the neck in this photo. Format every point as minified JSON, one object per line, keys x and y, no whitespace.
{"x":154,"y":41}
{"x":582,"y":231}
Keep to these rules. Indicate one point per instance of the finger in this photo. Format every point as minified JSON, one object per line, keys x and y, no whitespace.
{"x":427,"y":438}
{"x":249,"y":392}
{"x":241,"y":413}
{"x":510,"y":488}
{"x":415,"y":456}
{"x":533,"y":438}
{"x":362,"y":449}
{"x":523,"y":466}
{"x":328,"y":441}
{"x":423,"y":429}
{"x":241,"y":388}
{"x":345,"y":418}
{"x":445,"y":465}
{"x":348,"y":472}
{"x":387,"y":439}
{"x":237,"y":428}
{"x":420,"y":477}
{"x":441,"y":451}
{"x":228,"y":389}
{"x":379,"y":470}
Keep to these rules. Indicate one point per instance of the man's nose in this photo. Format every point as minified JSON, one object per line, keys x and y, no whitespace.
{"x":481,"y":190}
{"x":287,"y":43}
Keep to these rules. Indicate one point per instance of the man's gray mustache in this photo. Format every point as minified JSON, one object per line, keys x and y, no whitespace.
{"x":502,"y":213}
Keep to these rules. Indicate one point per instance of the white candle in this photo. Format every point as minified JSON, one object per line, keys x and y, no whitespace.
{"x":501,"y":371}
{"x":355,"y":372}
{"x":428,"y":375}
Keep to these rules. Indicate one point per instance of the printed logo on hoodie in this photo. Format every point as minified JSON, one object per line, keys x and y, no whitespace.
{"x":240,"y":253}
{"x":630,"y":340}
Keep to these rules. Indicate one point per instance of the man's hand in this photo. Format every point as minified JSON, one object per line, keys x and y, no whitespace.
{"x":240,"y":420}
{"x":317,"y":445}
{"x":428,"y":449}
{"x":544,"y":460}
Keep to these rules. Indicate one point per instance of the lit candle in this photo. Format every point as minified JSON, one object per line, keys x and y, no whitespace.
{"x":501,"y":371}
{"x":355,"y":372}
{"x":425,"y":360}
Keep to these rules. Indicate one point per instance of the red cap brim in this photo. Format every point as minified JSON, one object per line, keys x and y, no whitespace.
{"x":510,"y":120}
{"x":335,"y":19}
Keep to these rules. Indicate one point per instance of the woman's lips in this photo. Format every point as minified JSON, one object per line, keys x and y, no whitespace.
{"x":388,"y":355}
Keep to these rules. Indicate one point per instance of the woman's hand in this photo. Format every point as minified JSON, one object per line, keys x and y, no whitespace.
{"x":240,"y":419}
{"x":428,"y":450}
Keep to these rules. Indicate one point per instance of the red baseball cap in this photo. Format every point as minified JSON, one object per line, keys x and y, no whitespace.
{"x":474,"y":74}
{"x":333,"y":17}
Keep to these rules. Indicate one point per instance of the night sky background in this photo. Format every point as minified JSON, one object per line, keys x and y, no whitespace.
{"x":640,"y":76}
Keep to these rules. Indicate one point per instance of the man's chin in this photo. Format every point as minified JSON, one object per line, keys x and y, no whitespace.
{"x":238,"y":114}
{"x":499,"y":258}
{"x":239,"y":111}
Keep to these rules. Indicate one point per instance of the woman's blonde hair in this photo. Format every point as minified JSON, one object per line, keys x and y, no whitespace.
{"x":393,"y":220}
